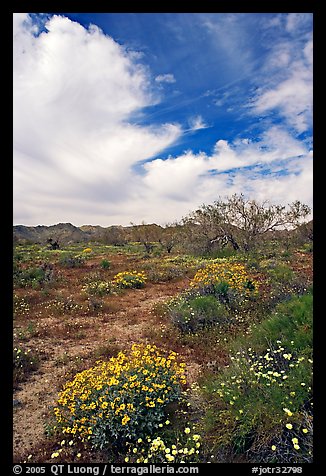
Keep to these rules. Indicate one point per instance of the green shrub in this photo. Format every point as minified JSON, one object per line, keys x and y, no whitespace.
{"x":224,"y":273}
{"x":72,"y":261}
{"x":291,"y":322}
{"x":34,"y":277}
{"x":259,"y":403}
{"x":191,"y":312}
{"x":122,"y":399}
{"x":307,"y":247}
{"x":228,"y":281}
{"x":105,"y":264}
{"x":260,"y":391}
{"x":292,"y":445}
{"x":281,"y":273}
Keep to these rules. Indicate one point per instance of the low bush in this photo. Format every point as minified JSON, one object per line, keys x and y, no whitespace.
{"x":98,"y":288}
{"x":261,"y":403}
{"x":105,"y":264}
{"x":129,"y":279}
{"x":71,"y":261}
{"x":226,"y":273}
{"x":185,"y":449}
{"x":229,"y":282}
{"x":291,"y":322}
{"x":24,"y":362}
{"x":34,"y":277}
{"x":191,"y":312}
{"x":166,"y":273}
{"x":280,"y":273}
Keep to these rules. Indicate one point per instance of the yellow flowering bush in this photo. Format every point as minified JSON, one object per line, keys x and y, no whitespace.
{"x":231,"y":274}
{"x":123,"y":398}
{"x":129,"y":279}
{"x":156,"y":450}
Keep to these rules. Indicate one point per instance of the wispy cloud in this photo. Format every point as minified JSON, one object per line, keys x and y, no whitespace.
{"x":196,"y":123}
{"x":231,"y":35}
{"x":286,"y":78}
{"x":296,"y":21}
{"x":165,"y":78}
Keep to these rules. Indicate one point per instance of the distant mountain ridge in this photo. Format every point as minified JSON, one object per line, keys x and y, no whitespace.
{"x":66,"y":233}
{"x":63,"y":232}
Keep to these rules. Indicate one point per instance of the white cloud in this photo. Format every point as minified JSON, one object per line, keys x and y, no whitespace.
{"x":308,"y":52}
{"x":196,"y":123}
{"x":75,"y":143}
{"x":295,"y":21}
{"x":277,"y":167}
{"x":165,"y":78}
{"x":291,"y":91}
{"x":232,"y":40}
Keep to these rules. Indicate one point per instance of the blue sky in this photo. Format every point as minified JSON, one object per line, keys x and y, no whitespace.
{"x":137,"y":116}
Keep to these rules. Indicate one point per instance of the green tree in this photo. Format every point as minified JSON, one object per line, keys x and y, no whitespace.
{"x":170,"y":236}
{"x":241,"y":222}
{"x":146,"y":234}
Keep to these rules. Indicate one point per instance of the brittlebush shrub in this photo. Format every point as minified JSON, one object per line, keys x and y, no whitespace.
{"x":232,"y":275}
{"x":129,"y":279}
{"x":228,"y":281}
{"x":121,"y":399}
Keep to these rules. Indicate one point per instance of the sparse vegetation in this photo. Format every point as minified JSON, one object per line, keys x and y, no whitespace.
{"x":24,"y":362}
{"x":97,"y":288}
